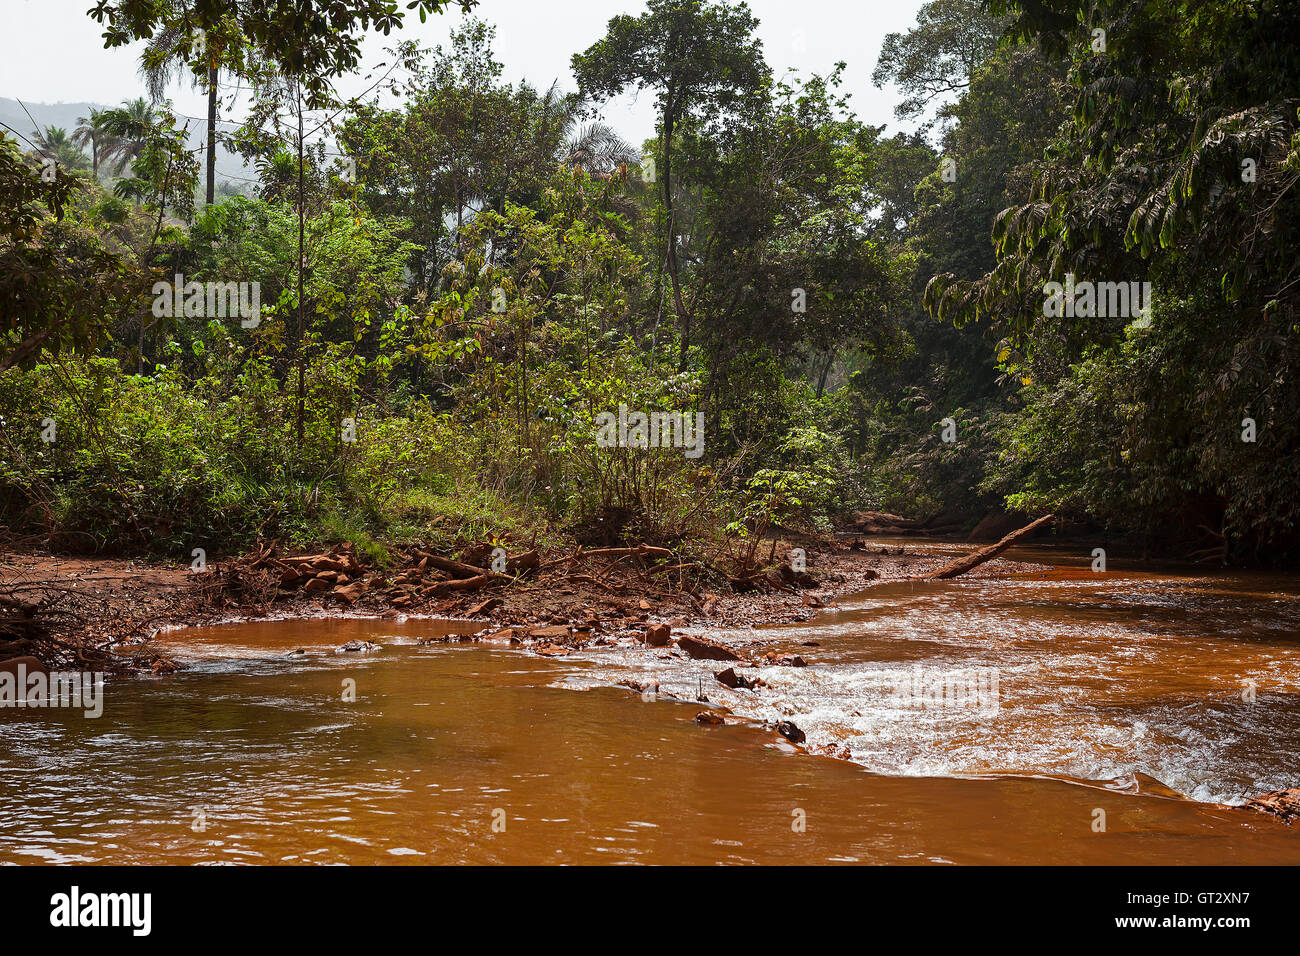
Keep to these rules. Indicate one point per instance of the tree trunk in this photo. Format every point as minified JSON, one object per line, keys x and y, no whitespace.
{"x":825,"y":373}
{"x":302,"y":325}
{"x":212,"y":134}
{"x":683,"y":317}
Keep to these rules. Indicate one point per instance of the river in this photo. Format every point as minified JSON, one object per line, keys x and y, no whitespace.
{"x":1126,"y":706}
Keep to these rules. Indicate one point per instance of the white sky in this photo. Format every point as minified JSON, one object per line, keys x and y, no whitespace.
{"x":51,"y":50}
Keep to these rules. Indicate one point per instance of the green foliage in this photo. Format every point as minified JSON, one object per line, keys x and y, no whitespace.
{"x":462,"y":140}
{"x":937,"y":58}
{"x":313,"y":41}
{"x":1177,"y":165}
{"x":442,"y":335}
{"x":59,"y":282}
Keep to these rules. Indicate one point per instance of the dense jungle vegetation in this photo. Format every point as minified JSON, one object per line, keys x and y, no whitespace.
{"x":457,"y":275}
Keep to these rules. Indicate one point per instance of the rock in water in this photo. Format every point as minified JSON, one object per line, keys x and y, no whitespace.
{"x":784,"y":660}
{"x":557,"y":632}
{"x":729,"y":678}
{"x":656,"y":635}
{"x":702,"y":649}
{"x":790,"y":732}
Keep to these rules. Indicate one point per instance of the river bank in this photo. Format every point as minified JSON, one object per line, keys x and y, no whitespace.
{"x":117,"y":604}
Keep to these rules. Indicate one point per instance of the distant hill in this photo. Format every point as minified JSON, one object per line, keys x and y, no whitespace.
{"x":229,"y":165}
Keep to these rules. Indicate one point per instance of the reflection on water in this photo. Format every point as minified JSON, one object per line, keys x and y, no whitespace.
{"x":1124,"y":682}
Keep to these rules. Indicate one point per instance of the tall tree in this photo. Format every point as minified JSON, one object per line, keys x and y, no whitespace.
{"x":60,"y":285}
{"x":312,"y":41}
{"x":128,"y":128}
{"x":180,"y":50}
{"x":92,"y":132}
{"x":699,"y":57}
{"x":464,"y":142}
{"x":938,"y":57}
{"x":1177,"y":164}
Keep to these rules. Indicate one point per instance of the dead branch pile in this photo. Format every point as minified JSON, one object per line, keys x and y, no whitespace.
{"x":339,"y":575}
{"x":55,"y":624}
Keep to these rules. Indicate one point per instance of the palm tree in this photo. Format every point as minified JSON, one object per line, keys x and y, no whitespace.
{"x":54,"y":143}
{"x":91,"y":132}
{"x":129,"y":126}
{"x":595,"y":148}
{"x":172,"y":54}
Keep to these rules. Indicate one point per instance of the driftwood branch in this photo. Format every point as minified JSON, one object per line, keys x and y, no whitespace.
{"x":976,"y":558}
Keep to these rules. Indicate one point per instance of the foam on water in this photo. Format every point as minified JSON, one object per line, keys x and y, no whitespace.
{"x":1194,"y":681}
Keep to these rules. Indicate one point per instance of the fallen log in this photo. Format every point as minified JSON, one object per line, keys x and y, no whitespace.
{"x":457,"y":568}
{"x":470,"y":584}
{"x":976,"y":558}
{"x":515,"y":563}
{"x":524,"y":561}
{"x":684,"y":566}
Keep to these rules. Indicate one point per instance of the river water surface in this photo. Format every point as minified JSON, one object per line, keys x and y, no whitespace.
{"x":1135,"y":699}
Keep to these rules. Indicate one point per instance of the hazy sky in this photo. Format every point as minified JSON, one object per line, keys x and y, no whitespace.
{"x":51,"y":51}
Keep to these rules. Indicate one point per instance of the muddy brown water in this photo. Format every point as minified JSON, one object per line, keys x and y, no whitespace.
{"x":1149,"y":697}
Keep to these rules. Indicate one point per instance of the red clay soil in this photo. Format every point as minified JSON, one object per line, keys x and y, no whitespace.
{"x":111,"y":606}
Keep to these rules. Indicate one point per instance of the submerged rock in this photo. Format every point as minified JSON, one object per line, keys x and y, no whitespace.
{"x":710,"y":717}
{"x":22,"y":667}
{"x":650,"y":688}
{"x":784,"y":659}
